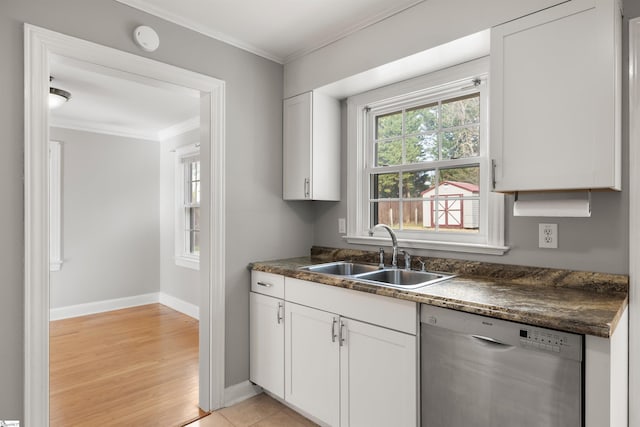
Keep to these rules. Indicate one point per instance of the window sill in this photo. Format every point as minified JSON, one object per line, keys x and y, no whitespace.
{"x":430,"y":244}
{"x":187,"y":262}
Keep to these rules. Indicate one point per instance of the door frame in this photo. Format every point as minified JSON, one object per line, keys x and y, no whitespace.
{"x":634,"y":220}
{"x":39,"y":45}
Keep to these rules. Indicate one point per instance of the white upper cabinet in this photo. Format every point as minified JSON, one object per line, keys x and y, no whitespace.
{"x":555,"y":99}
{"x":311,"y":147}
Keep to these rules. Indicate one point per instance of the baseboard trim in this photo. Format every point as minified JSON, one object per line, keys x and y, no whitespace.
{"x":239,"y":392}
{"x":182,"y":306}
{"x":102,"y":306}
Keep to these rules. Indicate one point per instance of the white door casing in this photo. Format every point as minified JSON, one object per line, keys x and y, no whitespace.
{"x":39,"y":45}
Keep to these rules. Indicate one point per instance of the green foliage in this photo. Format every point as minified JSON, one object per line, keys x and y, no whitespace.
{"x":418,"y":141}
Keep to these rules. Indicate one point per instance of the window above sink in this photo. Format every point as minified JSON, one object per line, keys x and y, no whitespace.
{"x":418,"y":161}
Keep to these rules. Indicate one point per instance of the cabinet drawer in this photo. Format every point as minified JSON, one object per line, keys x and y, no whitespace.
{"x":379,"y":310}
{"x":267,"y":284}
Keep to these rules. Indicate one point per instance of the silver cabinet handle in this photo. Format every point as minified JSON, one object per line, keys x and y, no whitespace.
{"x":279,"y":317}
{"x":342,"y":334}
{"x":333,"y":329}
{"x":265,"y":284}
{"x":307,"y":188}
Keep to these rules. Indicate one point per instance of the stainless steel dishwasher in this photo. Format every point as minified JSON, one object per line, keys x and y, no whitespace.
{"x":478,"y":371}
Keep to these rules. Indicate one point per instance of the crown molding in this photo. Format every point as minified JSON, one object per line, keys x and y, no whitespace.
{"x":179,"y":128}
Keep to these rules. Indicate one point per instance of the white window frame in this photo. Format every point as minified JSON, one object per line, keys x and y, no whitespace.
{"x":452,"y":82}
{"x":182,"y":257}
{"x":55,"y":206}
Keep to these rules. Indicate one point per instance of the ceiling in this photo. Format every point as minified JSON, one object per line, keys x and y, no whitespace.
{"x":280,"y":30}
{"x":107,"y":101}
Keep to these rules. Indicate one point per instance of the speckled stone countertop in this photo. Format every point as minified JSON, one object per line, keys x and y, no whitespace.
{"x":566,"y":300}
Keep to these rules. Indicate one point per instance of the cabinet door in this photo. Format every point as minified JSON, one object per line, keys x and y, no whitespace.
{"x":555,"y":103}
{"x":266,"y":342}
{"x":296,"y":147}
{"x":379,"y":381}
{"x":312,"y":362}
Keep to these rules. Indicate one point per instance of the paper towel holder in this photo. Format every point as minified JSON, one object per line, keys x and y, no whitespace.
{"x":553,"y":208}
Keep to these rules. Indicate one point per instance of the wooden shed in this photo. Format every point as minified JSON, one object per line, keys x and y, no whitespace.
{"x":454,"y":205}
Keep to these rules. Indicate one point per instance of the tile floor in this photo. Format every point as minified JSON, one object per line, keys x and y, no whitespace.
{"x":258,"y":411}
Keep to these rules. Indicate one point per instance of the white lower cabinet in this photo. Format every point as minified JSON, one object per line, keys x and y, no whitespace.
{"x":378,"y":376}
{"x":266,"y":342}
{"x":312,"y":362}
{"x":349,"y":373}
{"x":335,"y":369}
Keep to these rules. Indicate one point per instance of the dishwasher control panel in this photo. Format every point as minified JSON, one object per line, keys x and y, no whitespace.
{"x":504,"y":332}
{"x":542,"y":339}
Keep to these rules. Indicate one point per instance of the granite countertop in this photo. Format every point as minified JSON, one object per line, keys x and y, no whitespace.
{"x":571,"y":301}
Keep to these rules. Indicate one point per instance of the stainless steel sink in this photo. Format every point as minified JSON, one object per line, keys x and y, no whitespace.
{"x":341,"y":268}
{"x":372,"y":274}
{"x":405,"y":279}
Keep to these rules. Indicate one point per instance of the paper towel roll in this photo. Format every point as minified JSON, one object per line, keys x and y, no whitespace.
{"x":557,"y":208}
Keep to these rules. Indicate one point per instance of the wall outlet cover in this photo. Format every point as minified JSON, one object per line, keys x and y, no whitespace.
{"x":548,"y":236}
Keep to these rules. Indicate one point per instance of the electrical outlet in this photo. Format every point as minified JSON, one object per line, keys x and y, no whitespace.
{"x":548,"y":236}
{"x":342,"y":226}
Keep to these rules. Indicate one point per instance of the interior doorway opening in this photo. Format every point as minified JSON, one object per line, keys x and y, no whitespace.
{"x":40,"y":45}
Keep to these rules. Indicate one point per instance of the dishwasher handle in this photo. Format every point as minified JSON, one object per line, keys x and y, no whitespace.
{"x":490,"y":341}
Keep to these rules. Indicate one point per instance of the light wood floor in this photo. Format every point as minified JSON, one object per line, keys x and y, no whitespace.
{"x":259,"y":411}
{"x":131,"y":367}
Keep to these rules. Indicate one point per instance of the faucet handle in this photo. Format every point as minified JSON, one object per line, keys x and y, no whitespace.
{"x":407,"y":260}
{"x":422,"y":265}
{"x":381,"y":254}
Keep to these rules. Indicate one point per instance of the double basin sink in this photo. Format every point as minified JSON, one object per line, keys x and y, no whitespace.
{"x":372,"y":274}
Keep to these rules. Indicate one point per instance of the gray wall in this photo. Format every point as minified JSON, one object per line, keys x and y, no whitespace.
{"x":110,"y":219}
{"x":259,"y":224}
{"x":599,"y":243}
{"x":179,"y":282}
{"x":426,"y":25}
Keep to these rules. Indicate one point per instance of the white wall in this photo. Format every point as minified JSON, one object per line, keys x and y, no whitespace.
{"x":111,"y":221}
{"x":176,"y":281}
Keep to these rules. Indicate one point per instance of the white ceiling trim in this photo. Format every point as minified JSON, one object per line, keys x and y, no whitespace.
{"x":187,"y":23}
{"x":319,"y":44}
{"x":95,"y":127}
{"x":180,"y":128}
{"x":126,"y":132}
{"x":160,"y":12}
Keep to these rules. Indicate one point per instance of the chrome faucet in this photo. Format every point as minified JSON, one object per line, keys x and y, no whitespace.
{"x":394,"y":242}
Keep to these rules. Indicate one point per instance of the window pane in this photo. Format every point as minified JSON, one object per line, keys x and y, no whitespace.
{"x":389,"y":125}
{"x":422,"y":148}
{"x":194,"y":219}
{"x":461,"y":111}
{"x":413,"y":215}
{"x":416,"y":183}
{"x":385,"y":186}
{"x":461,"y":143}
{"x":465,"y":177}
{"x":421,"y":119}
{"x":389,"y":153}
{"x":386,"y":212}
{"x":195,"y":242}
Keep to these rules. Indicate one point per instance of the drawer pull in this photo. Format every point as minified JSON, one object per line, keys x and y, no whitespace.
{"x":265,"y":284}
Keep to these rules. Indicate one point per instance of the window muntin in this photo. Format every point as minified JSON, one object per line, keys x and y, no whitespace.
{"x":412,"y":188}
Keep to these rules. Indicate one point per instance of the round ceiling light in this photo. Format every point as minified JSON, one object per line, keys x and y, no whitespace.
{"x":57,"y":97}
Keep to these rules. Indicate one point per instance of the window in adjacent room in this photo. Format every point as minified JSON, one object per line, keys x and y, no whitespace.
{"x":187,"y":189}
{"x":420,"y":163}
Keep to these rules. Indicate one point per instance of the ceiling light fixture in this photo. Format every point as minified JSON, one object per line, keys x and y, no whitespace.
{"x":57,"y":97}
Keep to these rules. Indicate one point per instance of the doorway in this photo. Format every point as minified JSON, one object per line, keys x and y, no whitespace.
{"x":40,"y":45}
